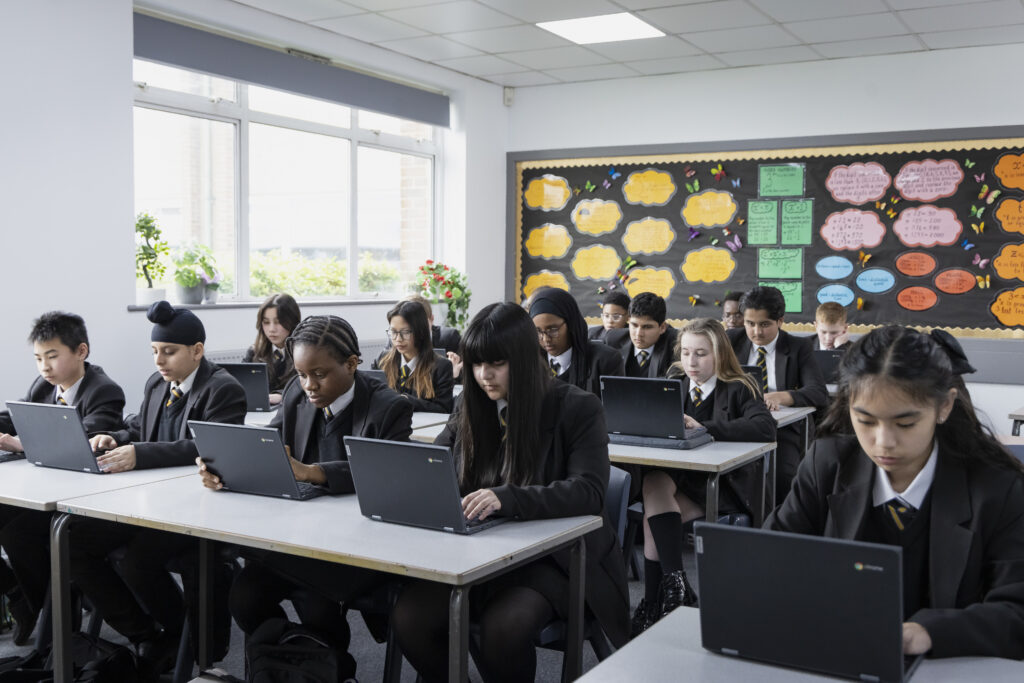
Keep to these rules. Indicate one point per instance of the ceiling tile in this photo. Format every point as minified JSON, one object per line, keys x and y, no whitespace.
{"x":645,"y":48}
{"x":977,"y":15}
{"x":915,"y":4}
{"x":847,"y":28}
{"x":592,"y":73}
{"x":676,"y":64}
{"x":647,"y":4}
{"x":871,"y":46}
{"x":707,"y":16}
{"x":385,"y":5}
{"x":483,"y":65}
{"x":430,"y":48}
{"x":749,"y":38}
{"x":523,"y":79}
{"x":464,"y":15}
{"x":369,"y":28}
{"x":994,"y":35}
{"x":305,"y":10}
{"x":805,"y":10}
{"x":533,"y":11}
{"x":555,"y":58}
{"x":509,"y":39}
{"x":776,"y":55}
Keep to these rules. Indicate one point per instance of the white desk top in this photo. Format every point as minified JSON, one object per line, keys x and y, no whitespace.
{"x":671,"y":651}
{"x":260,"y":419}
{"x":329,"y":528}
{"x":39,"y":488}
{"x":786,"y":416}
{"x":421,"y":420}
{"x":426,"y":434}
{"x":1010,"y":440}
{"x":712,"y":457}
{"x":1017,"y":414}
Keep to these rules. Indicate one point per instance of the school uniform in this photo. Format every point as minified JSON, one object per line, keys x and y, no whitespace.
{"x":791,"y":367}
{"x":617,"y":337}
{"x":280,"y":368}
{"x":585,"y":373}
{"x":98,"y":400}
{"x":599,"y":333}
{"x":447,"y":338}
{"x":440,"y":377}
{"x":970,"y":589}
{"x":661,"y":355}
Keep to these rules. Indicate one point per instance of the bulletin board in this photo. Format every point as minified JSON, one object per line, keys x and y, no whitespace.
{"x":928,"y":234}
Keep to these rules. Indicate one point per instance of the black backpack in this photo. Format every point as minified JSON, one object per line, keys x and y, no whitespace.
{"x":95,"y":661}
{"x":280,"y":651}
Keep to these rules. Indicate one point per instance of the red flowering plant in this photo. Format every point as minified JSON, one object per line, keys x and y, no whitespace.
{"x":439,"y":283}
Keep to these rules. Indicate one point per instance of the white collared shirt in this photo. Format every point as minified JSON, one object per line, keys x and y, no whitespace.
{"x":502,"y":403}
{"x":70,"y":393}
{"x":882,"y":490}
{"x":637,"y":352}
{"x":411,"y":364}
{"x":769,"y":360}
{"x":564,"y":360}
{"x":186,"y":386}
{"x":343,"y":401}
{"x":705,"y":389}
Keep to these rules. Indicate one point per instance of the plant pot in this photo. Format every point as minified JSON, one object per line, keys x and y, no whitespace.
{"x":190,"y":295}
{"x":440,"y":309}
{"x":210,"y":296}
{"x":147,"y":296}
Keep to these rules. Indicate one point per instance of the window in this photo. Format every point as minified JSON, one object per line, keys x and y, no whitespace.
{"x":289,"y":193}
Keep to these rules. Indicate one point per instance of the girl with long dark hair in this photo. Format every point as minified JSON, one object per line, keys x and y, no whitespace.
{"x":276,"y":318}
{"x":411,"y":366}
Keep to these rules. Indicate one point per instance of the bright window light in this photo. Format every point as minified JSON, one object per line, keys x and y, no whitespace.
{"x":607,"y":28}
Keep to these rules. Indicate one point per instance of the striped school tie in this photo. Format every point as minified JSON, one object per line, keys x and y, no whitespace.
{"x":328,"y":414}
{"x":642,"y":358}
{"x":556,"y":367}
{"x":901,"y":513}
{"x":697,"y":397}
{"x":175,"y":395}
{"x":61,"y":401}
{"x":403,"y":375}
{"x":762,"y":363}
{"x":503,"y":422}
{"x":278,"y":356}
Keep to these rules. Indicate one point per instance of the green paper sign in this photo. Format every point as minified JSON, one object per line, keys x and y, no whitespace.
{"x":793,"y":292}
{"x":797,"y":221}
{"x":780,"y":180}
{"x":763,"y":222}
{"x":780,"y":263}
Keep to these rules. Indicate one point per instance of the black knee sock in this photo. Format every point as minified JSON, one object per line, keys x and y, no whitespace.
{"x":652,"y":580}
{"x":667,"y":533}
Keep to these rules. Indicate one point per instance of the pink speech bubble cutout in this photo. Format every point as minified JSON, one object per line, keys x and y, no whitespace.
{"x":853,"y":229}
{"x":926,"y":226}
{"x":929,"y":180}
{"x":858,"y":183}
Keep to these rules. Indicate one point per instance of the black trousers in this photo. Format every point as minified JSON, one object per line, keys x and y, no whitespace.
{"x":25,"y":535}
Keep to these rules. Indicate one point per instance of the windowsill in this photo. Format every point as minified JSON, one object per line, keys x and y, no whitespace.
{"x":311,"y":303}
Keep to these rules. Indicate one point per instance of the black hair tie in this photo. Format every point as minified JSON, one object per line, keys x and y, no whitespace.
{"x":961,"y":366}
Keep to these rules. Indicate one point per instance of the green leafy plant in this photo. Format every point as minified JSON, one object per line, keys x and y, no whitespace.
{"x":288,"y":271}
{"x":149,"y":248}
{"x":195,"y":265}
{"x":444,"y":284}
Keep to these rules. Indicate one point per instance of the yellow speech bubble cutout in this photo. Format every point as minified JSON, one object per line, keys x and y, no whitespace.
{"x":1010,"y":215}
{"x":547,"y":193}
{"x":650,"y":187}
{"x":595,"y":263}
{"x":548,"y":241}
{"x":1009,"y":262}
{"x":545,"y":278}
{"x":1009,"y":169}
{"x":1008,"y":308}
{"x":596,"y":216}
{"x":659,"y":281}
{"x":649,"y":236}
{"x":709,"y":209}
{"x":708,"y":264}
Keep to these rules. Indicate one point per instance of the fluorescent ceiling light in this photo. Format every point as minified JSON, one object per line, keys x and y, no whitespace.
{"x":606,"y":28}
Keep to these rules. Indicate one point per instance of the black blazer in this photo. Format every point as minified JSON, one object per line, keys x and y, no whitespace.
{"x":586,"y":372}
{"x":738,"y":415}
{"x":572,"y":478}
{"x":662,"y":355}
{"x":279,"y":373}
{"x":440,"y":377}
{"x":99,"y":401}
{"x":377,"y":413}
{"x":215,"y":396}
{"x":975,"y":542}
{"x":447,"y":338}
{"x":796,"y":371}
{"x":616,"y":338}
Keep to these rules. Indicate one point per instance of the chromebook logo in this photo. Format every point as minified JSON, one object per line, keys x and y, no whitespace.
{"x":858,"y":566}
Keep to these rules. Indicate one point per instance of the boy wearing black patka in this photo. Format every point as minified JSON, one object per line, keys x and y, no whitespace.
{"x":142,"y":597}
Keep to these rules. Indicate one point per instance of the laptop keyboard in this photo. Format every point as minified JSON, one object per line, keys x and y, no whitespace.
{"x":8,"y":456}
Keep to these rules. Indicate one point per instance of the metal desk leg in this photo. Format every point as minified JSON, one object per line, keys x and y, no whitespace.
{"x":761,"y":500}
{"x":773,"y":466}
{"x":807,"y":435}
{"x":207,"y":549}
{"x":458,"y":635}
{"x":60,"y":598}
{"x":711,"y":506}
{"x":1016,"y":427}
{"x":573,"y":668}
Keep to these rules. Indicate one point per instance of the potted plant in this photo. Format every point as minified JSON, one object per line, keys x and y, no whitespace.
{"x":212,"y":279}
{"x":443,"y":284}
{"x":195,"y":270}
{"x":149,"y":248}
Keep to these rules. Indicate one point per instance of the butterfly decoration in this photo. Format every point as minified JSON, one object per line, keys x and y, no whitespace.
{"x":966,"y":245}
{"x":689,"y":172}
{"x":860,"y":304}
{"x":880,"y":205}
{"x":718,"y":172}
{"x":615,"y":175}
{"x":718,"y":302}
{"x":607,"y":183}
{"x":894,"y":200}
{"x":984,"y":282}
{"x":694,"y":186}
{"x":891,"y":213}
{"x":979,"y":178}
{"x":694,"y":234}
{"x":978,"y":227}
{"x":714,"y":241}
{"x":735,"y":244}
{"x":863,"y":257}
{"x":736,"y":182}
{"x":980,"y":262}
{"x":694,"y":299}
{"x":741,"y":221}
{"x":968,"y":163}
{"x":576,"y":191}
{"x":987,"y":195}
{"x":590,"y":186}
{"x":726,"y":231}
{"x":601,"y":290}
{"x":977,"y":211}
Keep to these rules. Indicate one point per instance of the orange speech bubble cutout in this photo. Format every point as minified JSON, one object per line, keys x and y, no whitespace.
{"x":1009,"y":169}
{"x":1010,"y":214}
{"x":917,"y":298}
{"x":915,"y":263}
{"x":955,"y":281}
{"x":1008,"y":308}
{"x":1009,"y":262}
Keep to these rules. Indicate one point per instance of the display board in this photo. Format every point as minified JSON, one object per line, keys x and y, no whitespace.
{"x":925,"y":234}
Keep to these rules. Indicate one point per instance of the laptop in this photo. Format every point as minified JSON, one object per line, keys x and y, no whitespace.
{"x":250,"y":460}
{"x":828,"y":361}
{"x":409,"y":483}
{"x":441,"y":352}
{"x":253,"y":378}
{"x":823,"y":604}
{"x":53,"y":436}
{"x":642,"y":411}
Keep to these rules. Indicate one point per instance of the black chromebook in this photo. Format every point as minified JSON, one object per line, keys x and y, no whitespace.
{"x":642,"y":411}
{"x":53,"y":436}
{"x":253,"y":378}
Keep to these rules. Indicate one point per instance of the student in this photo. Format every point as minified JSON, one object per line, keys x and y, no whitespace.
{"x":328,"y":400}
{"x":651,"y":340}
{"x":789,"y":374}
{"x":830,"y":326}
{"x":446,"y":338}
{"x":60,"y":343}
{"x":561,"y":330}
{"x":549,"y":460}
{"x":732,"y":318}
{"x":727,"y":402}
{"x":410,"y":365}
{"x":276,"y":318}
{"x":141,"y":600}
{"x":907,"y":463}
{"x":614,"y":316}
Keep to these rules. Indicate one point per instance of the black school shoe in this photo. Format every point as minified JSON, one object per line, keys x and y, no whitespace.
{"x":643,"y":618}
{"x":157,"y":655}
{"x":676,"y":591}
{"x":24,"y":618}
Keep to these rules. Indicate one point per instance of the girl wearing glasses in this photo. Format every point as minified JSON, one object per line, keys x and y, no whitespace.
{"x":410,"y":365}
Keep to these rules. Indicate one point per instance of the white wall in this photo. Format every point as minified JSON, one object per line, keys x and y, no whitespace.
{"x":66,"y":213}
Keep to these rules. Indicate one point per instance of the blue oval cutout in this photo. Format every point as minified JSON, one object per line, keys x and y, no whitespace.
{"x":834,"y":267}
{"x":876,"y":280}
{"x":841,"y":294}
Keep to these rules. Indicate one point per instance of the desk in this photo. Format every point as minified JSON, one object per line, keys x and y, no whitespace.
{"x":791,"y":415}
{"x":671,"y":650}
{"x":331,"y":528}
{"x":1018,"y":419}
{"x":260,"y":419}
{"x":423,"y":420}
